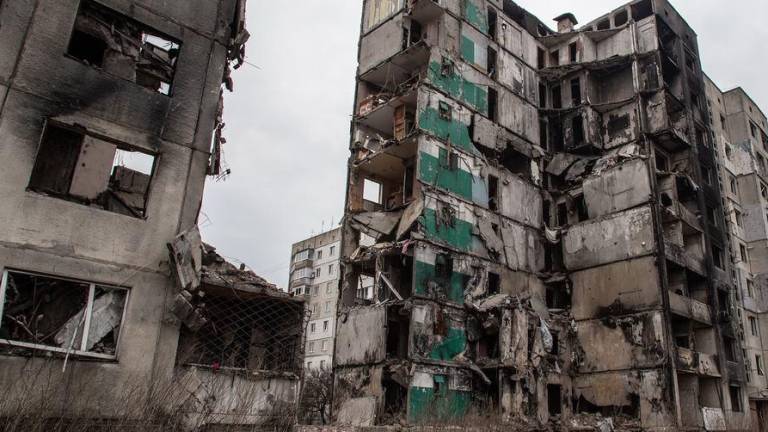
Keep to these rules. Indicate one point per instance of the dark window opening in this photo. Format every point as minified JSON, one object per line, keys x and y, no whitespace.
{"x":492,"y":23}
{"x":555,"y":343}
{"x":620,"y":18}
{"x":77,"y":167}
{"x":543,"y":136}
{"x":493,"y":193}
{"x":730,"y":348}
{"x":395,"y":396}
{"x":493,"y":104}
{"x":642,"y":10}
{"x":87,"y":48}
{"x":443,"y":267}
{"x":453,"y":161}
{"x":557,"y":296}
{"x":145,"y":56}
{"x":494,"y":284}
{"x":554,"y":58}
{"x":662,"y":162}
{"x":578,"y":130}
{"x":557,"y":140}
{"x":516,"y":162}
{"x":581,"y":208}
{"x":397,"y":333}
{"x":554,"y":399}
{"x":604,"y":24}
{"x":446,"y":67}
{"x":541,"y":58}
{"x":562,"y":214}
{"x":491,"y":62}
{"x":557,"y":98}
{"x":576,"y":91}
{"x":542,"y":96}
{"x":735,"y":394}
{"x":408,"y":180}
{"x":553,"y":262}
{"x":547,"y":216}
{"x":717,"y":257}
{"x":573,"y":50}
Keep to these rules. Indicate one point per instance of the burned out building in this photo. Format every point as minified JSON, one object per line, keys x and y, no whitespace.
{"x":110,"y":121}
{"x":538,"y":213}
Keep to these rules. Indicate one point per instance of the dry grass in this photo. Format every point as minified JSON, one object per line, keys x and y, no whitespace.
{"x":46,"y":400}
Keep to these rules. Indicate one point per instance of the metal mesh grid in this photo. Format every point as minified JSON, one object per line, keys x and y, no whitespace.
{"x":245,"y":333}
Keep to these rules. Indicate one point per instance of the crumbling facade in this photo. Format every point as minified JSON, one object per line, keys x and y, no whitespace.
{"x":741,"y":143}
{"x":314,"y":276}
{"x":110,"y":120}
{"x":535,"y":211}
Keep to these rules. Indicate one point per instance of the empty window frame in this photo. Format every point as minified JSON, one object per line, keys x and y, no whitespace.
{"x":124,"y":47}
{"x":493,"y":193}
{"x":493,"y":104}
{"x":63,"y":316}
{"x":753,"y":326}
{"x":576,"y":91}
{"x":372,"y":191}
{"x":573,"y":52}
{"x":759,"y":364}
{"x":735,"y":395}
{"x":577,"y":127}
{"x":493,"y":20}
{"x":541,"y":56}
{"x":75,"y":166}
{"x":557,"y":97}
{"x":554,"y":58}
{"x":491,"y":62}
{"x":620,"y":18}
{"x":494,"y":284}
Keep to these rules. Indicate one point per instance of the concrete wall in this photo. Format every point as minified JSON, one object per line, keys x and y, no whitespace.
{"x":67,"y":239}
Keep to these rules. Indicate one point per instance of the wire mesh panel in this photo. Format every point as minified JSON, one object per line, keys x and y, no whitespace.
{"x":244,"y":332}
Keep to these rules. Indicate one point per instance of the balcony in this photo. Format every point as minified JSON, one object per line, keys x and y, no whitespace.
{"x":425,"y":11}
{"x":690,"y":308}
{"x":697,"y":363}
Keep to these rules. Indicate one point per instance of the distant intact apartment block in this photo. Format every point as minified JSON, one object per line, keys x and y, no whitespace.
{"x":315,"y":276}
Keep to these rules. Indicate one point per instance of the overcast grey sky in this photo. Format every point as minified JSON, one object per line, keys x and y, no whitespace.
{"x":288,"y":120}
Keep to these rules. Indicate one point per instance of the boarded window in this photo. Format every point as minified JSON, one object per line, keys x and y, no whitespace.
{"x":124,"y":47}
{"x":59,"y":315}
{"x":75,"y":166}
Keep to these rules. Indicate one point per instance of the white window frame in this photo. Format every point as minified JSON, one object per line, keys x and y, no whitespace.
{"x":86,"y":323}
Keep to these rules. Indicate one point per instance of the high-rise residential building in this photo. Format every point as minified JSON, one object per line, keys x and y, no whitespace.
{"x":741,"y":135}
{"x":110,"y":123}
{"x":315,"y":276}
{"x":541,"y":217}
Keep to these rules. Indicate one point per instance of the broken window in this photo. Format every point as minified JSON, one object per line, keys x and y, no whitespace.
{"x":124,"y":47}
{"x":542,"y":96}
{"x":662,"y":161}
{"x":712,"y":216}
{"x":744,"y":253}
{"x":576,"y":91}
{"x":543,"y":135}
{"x":443,"y":267}
{"x":557,"y":296}
{"x":604,"y":24}
{"x":759,"y":364}
{"x":620,"y":18}
{"x":491,"y":62}
{"x":372,"y":191}
{"x":398,"y":328}
{"x":753,"y":326}
{"x":573,"y":50}
{"x":493,"y":104}
{"x":492,"y":22}
{"x":494,"y":284}
{"x":493,"y":193}
{"x":75,"y":166}
{"x":60,"y":315}
{"x":717,"y":257}
{"x":730,"y":348}
{"x":541,"y":58}
{"x":244,"y":331}
{"x":446,"y":67}
{"x":642,"y":10}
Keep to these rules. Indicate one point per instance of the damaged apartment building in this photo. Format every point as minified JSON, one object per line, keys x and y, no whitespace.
{"x":110,"y":121}
{"x":534,"y":210}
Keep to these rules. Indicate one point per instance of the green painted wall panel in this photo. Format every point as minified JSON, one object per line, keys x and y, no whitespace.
{"x":458,"y":87}
{"x":451,"y":346}
{"x":459,"y":235}
{"x":476,"y":16}
{"x":424,"y":273}
{"x":437,"y":172}
{"x":425,"y":404}
{"x":454,"y":131}
{"x":467,"y":49}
